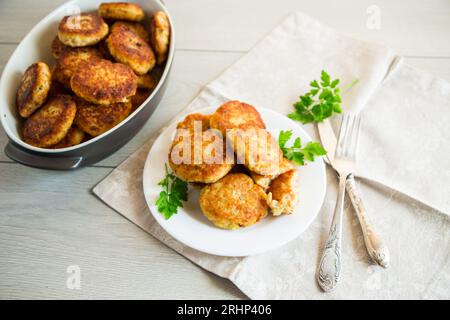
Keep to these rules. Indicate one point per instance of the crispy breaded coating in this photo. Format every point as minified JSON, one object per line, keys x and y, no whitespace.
{"x":258,"y":150}
{"x":50,"y":124}
{"x":233,"y":202}
{"x":103,"y":82}
{"x":57,"y":47}
{"x":236,"y":115}
{"x":136,"y":27}
{"x":283,"y":193}
{"x":81,"y":30}
{"x":69,"y":63}
{"x":73,"y":137}
{"x":160,"y":35}
{"x":33,"y":89}
{"x":97,"y":119}
{"x":121,"y":11}
{"x":130,"y":49}
{"x":191,"y":119}
{"x":198,"y":154}
{"x":138,"y":99}
{"x":265,"y":180}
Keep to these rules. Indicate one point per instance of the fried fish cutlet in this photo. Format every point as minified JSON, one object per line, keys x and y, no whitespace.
{"x":81,"y":30}
{"x":73,"y":137}
{"x":50,"y":124}
{"x":233,"y":202}
{"x":69,"y":63}
{"x":103,"y":82}
{"x":130,"y":49}
{"x":236,"y":115}
{"x":265,"y":180}
{"x":33,"y":89}
{"x":191,"y":119}
{"x":283,"y":193}
{"x":57,"y":47}
{"x":121,"y":11}
{"x":198,"y":154}
{"x":136,"y":27}
{"x":160,"y":35}
{"x":97,"y":119}
{"x":256,"y":149}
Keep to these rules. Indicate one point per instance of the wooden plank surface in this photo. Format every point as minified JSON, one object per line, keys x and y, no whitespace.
{"x":50,"y":220}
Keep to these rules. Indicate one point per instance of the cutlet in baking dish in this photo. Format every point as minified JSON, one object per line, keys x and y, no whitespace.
{"x":33,"y":89}
{"x":70,"y":60}
{"x":97,"y":119}
{"x":50,"y":124}
{"x":130,"y":49}
{"x":121,"y":11}
{"x":104,"y":82}
{"x":81,"y":30}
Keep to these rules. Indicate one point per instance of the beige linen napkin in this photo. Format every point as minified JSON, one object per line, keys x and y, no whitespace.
{"x":404,"y":148}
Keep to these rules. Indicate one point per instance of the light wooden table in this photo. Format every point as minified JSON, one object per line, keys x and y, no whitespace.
{"x":50,"y":220}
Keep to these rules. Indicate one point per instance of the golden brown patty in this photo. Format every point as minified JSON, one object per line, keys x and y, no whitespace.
{"x":81,"y":30}
{"x":236,"y":115}
{"x":57,"y":47}
{"x":121,"y":11}
{"x":257,"y":150}
{"x":97,"y":119}
{"x":104,"y":82}
{"x":50,"y":124}
{"x":160,"y":35}
{"x":234,"y":201}
{"x":193,"y":119}
{"x":198,"y":156}
{"x":130,"y":49}
{"x":283,"y":193}
{"x":146,"y":81}
{"x":73,"y":137}
{"x":138,"y":99}
{"x":69,"y":63}
{"x":136,"y":27}
{"x":33,"y":88}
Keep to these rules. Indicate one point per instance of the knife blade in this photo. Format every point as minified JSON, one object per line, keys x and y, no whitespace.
{"x":378,"y":252}
{"x":328,"y":139}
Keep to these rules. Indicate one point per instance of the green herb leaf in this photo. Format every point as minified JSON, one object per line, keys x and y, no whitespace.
{"x":296,"y":153}
{"x":320,"y":102}
{"x":173,"y":195}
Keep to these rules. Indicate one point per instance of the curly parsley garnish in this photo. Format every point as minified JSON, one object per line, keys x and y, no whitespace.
{"x":173,"y":195}
{"x":296,"y":153}
{"x":320,"y":102}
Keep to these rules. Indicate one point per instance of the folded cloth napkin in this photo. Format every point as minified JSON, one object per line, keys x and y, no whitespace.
{"x":404,"y":156}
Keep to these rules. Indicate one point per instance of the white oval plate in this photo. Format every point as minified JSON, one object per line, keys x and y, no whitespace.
{"x":190,"y":227}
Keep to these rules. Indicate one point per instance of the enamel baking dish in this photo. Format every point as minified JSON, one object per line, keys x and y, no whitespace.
{"x":36,"y":47}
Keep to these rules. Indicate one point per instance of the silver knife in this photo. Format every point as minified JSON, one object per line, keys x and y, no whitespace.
{"x":378,"y":252}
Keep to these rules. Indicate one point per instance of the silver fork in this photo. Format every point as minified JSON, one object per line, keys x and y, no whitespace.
{"x":329,"y":269}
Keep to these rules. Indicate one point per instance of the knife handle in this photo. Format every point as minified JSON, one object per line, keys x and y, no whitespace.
{"x":378,"y":252}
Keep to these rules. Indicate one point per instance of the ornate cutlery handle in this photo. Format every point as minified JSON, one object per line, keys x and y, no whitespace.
{"x":375,"y":247}
{"x":329,"y":269}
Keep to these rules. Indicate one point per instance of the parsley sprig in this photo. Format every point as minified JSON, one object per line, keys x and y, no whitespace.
{"x":173,"y":195}
{"x":296,"y":153}
{"x":320,"y":102}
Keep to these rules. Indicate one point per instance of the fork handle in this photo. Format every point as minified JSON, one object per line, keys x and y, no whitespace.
{"x":378,"y":252}
{"x":329,"y":270}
